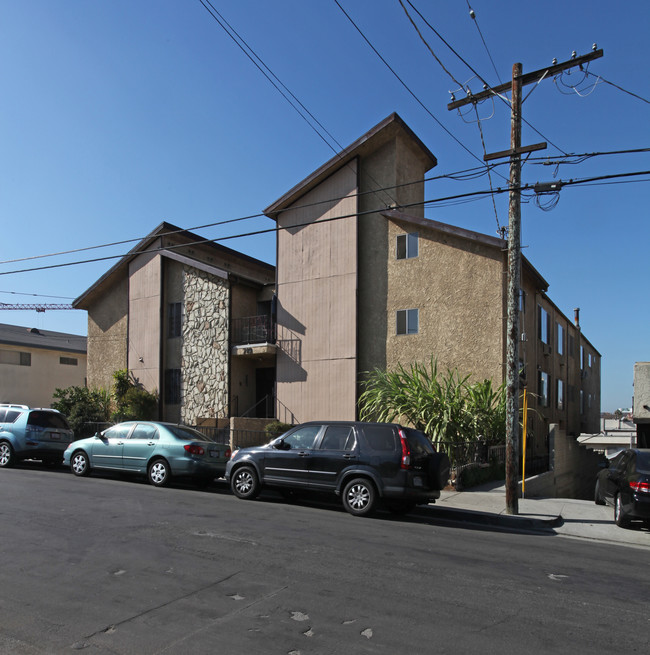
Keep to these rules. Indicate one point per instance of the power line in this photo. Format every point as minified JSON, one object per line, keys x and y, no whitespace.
{"x":276,"y":229}
{"x":472,"y":15}
{"x":486,"y":85}
{"x":462,"y":175}
{"x":273,"y":78}
{"x":616,"y":86}
{"x":403,"y":83}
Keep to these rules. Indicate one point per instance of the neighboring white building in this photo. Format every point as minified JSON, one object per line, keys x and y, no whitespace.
{"x":34,"y":362}
{"x":615,"y":435}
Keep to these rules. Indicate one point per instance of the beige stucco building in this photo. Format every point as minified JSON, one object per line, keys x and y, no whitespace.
{"x":166,"y":311}
{"x":365,"y":281}
{"x":35,"y":362}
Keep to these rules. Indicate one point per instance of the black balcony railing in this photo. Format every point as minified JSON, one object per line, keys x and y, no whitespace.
{"x":253,"y":329}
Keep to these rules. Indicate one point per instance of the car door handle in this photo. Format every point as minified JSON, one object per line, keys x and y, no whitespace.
{"x":120,"y":443}
{"x":151,"y":443}
{"x":349,"y":456}
{"x":303,"y":454}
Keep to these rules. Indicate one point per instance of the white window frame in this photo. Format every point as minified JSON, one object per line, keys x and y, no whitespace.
{"x":409,"y":244}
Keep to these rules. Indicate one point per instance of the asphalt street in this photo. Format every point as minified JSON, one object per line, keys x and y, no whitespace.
{"x":111,"y":565}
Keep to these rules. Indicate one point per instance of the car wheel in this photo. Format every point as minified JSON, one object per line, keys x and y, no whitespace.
{"x":619,"y":515}
{"x":7,"y":457}
{"x":359,"y":497}
{"x":245,"y":484}
{"x":598,"y":499}
{"x":159,"y":473}
{"x":80,"y":464}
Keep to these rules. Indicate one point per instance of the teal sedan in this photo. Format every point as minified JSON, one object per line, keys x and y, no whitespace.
{"x":161,"y":451}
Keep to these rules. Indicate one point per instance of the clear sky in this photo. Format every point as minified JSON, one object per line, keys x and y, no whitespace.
{"x":116,"y":115}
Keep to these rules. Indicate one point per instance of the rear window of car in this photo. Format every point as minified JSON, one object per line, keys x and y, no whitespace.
{"x":380,"y":437}
{"x":643,"y":462}
{"x":48,"y":420}
{"x":418,"y":442}
{"x":187,"y":434}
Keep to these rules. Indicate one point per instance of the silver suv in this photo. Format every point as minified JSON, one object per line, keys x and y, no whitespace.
{"x":30,"y":433}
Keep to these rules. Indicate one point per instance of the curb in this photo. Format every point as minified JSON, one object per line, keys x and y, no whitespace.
{"x":503,"y":520}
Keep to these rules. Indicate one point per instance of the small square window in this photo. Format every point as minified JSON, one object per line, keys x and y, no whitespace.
{"x":408,"y":321}
{"x":407,"y":245}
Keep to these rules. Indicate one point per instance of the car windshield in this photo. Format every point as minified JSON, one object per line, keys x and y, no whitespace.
{"x":187,"y":434}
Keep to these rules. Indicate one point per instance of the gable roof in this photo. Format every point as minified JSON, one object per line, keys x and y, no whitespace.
{"x":17,"y":335}
{"x":371,"y":140}
{"x":166,"y":230}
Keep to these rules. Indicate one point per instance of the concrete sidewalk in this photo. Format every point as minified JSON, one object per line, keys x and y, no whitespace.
{"x":564,"y":516}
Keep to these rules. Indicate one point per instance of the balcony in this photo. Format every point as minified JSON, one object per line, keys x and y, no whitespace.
{"x":253,"y":336}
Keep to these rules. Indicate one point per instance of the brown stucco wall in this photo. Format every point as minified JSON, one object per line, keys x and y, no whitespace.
{"x":457,"y":285}
{"x":107,"y":335}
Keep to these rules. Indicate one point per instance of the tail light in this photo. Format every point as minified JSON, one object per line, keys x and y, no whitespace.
{"x":406,"y":452}
{"x":193,"y":449}
{"x":228,"y":453}
{"x":643,"y":487}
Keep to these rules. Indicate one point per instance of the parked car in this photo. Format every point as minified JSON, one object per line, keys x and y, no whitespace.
{"x":32,"y":433}
{"x":161,"y":451}
{"x":625,"y":485}
{"x":362,"y":463}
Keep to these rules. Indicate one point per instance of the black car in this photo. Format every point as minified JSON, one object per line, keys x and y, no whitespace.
{"x":625,"y":484}
{"x":362,"y":463}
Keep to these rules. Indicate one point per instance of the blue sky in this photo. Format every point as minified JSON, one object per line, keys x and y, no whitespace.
{"x":116,"y":115}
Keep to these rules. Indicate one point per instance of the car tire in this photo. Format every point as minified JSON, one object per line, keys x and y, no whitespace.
{"x":80,"y":464}
{"x":359,"y":497}
{"x":598,"y":499}
{"x":7,"y":457}
{"x":245,"y":484}
{"x":158,"y":473}
{"x":619,"y":515}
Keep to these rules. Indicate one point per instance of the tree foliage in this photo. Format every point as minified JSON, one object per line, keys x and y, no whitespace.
{"x":447,"y":407}
{"x":83,"y":408}
{"x":132,"y":400}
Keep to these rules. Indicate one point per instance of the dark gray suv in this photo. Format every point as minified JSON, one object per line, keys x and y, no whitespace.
{"x":363,"y":463}
{"x":29,"y":433}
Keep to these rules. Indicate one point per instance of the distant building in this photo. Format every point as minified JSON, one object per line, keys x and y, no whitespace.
{"x":35,"y":362}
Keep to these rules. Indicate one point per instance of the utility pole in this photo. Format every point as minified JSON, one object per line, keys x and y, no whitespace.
{"x":514,"y":249}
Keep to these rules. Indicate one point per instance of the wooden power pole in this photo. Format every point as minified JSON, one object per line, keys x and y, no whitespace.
{"x":514,"y":250}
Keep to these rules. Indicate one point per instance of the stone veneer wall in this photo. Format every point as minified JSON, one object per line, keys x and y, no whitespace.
{"x":204,"y":386}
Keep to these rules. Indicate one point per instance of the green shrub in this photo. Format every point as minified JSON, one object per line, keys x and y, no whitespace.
{"x":276,"y":428}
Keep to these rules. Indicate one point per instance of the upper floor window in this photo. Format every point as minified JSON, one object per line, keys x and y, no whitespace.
{"x":522,"y":301}
{"x":560,"y":339}
{"x":544,"y":389}
{"x":543,"y":325}
{"x":15,"y":357}
{"x":407,"y":245}
{"x":408,"y":321}
{"x":175,"y":314}
{"x":68,"y":361}
{"x":559,"y":395}
{"x":571,"y":345}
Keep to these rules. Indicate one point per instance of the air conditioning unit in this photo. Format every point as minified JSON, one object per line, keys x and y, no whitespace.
{"x":546,"y":349}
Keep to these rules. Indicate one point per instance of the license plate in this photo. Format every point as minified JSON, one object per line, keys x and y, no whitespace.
{"x":214,"y":453}
{"x":417,"y":482}
{"x":55,"y":436}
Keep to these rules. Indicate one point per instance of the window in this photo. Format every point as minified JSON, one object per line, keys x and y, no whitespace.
{"x":338,"y":437}
{"x":543,"y":325}
{"x":407,"y":246}
{"x":15,"y":357}
{"x":303,"y":438}
{"x":582,"y":401}
{"x":408,"y":321}
{"x":544,"y":389}
{"x":582,"y":357}
{"x":571,"y":345}
{"x":560,"y":339}
{"x":173,"y":386}
{"x":522,"y":301}
{"x":68,"y":361}
{"x":175,"y":313}
{"x":559,"y":394}
{"x":143,"y":431}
